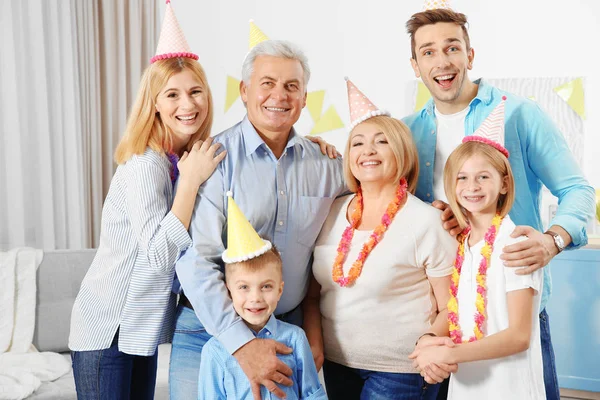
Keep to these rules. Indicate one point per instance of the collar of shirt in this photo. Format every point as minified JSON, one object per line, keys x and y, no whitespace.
{"x":253,"y":140}
{"x":484,"y":95}
{"x":269,"y":330}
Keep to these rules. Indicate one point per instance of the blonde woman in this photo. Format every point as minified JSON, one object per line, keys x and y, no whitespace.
{"x":382,"y":266}
{"x":125,"y":307}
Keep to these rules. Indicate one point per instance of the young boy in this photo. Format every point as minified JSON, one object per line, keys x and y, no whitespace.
{"x":253,"y":275}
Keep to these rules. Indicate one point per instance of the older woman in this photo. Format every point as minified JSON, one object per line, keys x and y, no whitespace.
{"x":382,"y":266}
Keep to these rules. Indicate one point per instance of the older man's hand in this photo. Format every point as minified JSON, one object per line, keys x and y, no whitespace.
{"x":258,"y":359}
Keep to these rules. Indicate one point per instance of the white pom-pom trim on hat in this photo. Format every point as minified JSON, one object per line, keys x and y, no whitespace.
{"x":368,"y":115}
{"x":248,"y":256}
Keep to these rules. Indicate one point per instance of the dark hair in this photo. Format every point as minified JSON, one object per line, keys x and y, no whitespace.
{"x":431,"y":17}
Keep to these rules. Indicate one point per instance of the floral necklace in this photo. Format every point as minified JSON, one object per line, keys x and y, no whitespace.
{"x":481,"y":296}
{"x":173,"y":158}
{"x":337,"y":272}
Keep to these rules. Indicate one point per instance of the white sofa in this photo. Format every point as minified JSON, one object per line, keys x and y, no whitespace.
{"x":58,"y":279}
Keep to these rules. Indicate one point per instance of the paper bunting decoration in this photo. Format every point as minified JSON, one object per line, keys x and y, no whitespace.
{"x":233,"y":92}
{"x":572,"y":93}
{"x":436,"y":5}
{"x":423,"y":96}
{"x":256,"y":35}
{"x":314,"y":103}
{"x":329,"y":121}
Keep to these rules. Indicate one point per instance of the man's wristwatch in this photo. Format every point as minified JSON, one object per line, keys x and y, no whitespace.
{"x":558,"y":240}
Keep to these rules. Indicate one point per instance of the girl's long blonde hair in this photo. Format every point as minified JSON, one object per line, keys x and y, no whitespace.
{"x":144,"y":125}
{"x":455,"y":162}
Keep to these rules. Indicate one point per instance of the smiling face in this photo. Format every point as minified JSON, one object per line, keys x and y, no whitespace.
{"x":255,"y":292}
{"x":370,"y":155}
{"x":442,"y":61}
{"x":479,"y":186}
{"x":183,"y":106}
{"x":275,"y":95}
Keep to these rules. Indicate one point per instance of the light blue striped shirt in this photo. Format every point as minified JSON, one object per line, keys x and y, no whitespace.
{"x":221,"y":376}
{"x":285,"y":200}
{"x":128,"y":286}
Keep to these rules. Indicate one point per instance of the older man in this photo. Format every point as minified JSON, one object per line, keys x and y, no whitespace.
{"x":285,"y":186}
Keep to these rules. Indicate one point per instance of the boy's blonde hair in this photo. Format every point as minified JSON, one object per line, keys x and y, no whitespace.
{"x":455,"y":162}
{"x":144,"y":125}
{"x":255,"y":264}
{"x":403,"y":146}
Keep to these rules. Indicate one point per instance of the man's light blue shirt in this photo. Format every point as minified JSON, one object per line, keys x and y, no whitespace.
{"x":286,"y":200}
{"x":539,"y":155}
{"x":221,"y":376}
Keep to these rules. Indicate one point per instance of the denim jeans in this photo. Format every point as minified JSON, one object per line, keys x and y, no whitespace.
{"x":550,"y":378}
{"x":188,"y":340}
{"x":345,"y":383}
{"x":113,"y":375}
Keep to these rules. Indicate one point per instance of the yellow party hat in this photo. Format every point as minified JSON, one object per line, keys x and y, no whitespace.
{"x":256,"y":35}
{"x":243,"y":243}
{"x":436,"y":5}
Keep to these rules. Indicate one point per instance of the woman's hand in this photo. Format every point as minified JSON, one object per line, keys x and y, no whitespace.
{"x":326,"y":148}
{"x":198,"y":165}
{"x":433,"y":363}
{"x":318,"y":355}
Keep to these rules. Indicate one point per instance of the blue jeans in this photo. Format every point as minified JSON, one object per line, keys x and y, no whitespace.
{"x":550,"y":378}
{"x":113,"y":375}
{"x":345,"y":383}
{"x":188,"y":340}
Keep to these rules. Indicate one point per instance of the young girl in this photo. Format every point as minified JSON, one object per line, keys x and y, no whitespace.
{"x":125,"y":306}
{"x":492,"y":312}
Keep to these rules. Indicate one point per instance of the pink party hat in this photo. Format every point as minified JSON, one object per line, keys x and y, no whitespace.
{"x":361,"y":108}
{"x":436,"y":4}
{"x":171,"y":43}
{"x":491,"y":130}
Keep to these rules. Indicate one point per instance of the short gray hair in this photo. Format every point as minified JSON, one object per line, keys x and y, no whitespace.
{"x":275,"y":48}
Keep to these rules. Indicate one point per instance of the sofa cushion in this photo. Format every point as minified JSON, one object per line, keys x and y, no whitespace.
{"x":59,"y":277}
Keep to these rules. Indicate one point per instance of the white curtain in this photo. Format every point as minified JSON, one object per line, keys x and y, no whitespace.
{"x":69,"y":70}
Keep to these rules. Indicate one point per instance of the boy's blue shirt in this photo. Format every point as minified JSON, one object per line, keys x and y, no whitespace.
{"x":221,"y":376}
{"x":539,"y":155}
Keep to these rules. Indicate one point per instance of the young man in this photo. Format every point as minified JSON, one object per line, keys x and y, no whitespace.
{"x":442,"y":57}
{"x":254,"y":279}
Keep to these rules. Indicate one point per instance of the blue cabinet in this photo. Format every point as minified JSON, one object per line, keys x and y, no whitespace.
{"x":574,"y":311}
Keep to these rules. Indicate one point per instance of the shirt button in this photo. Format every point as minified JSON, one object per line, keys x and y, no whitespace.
{"x":428,"y":163}
{"x":433,"y":132}
{"x":428,"y":195}
{"x":280,"y":223}
{"x":281,"y":192}
{"x":267,"y":333}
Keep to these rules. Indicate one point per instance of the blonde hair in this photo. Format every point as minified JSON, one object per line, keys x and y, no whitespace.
{"x":144,"y":125}
{"x":401,"y":142}
{"x":271,"y":257}
{"x":455,"y":162}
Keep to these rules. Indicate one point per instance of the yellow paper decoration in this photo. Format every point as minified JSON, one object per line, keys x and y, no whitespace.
{"x":436,"y":4}
{"x":314,"y":103}
{"x":243,"y":242}
{"x":256,"y":35}
{"x":233,"y":92}
{"x":329,"y":121}
{"x":572,"y":93}
{"x":423,"y":96}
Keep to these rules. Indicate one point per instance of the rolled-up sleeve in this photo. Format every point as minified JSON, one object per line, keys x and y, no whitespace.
{"x":161,"y":237}
{"x":556,"y":167}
